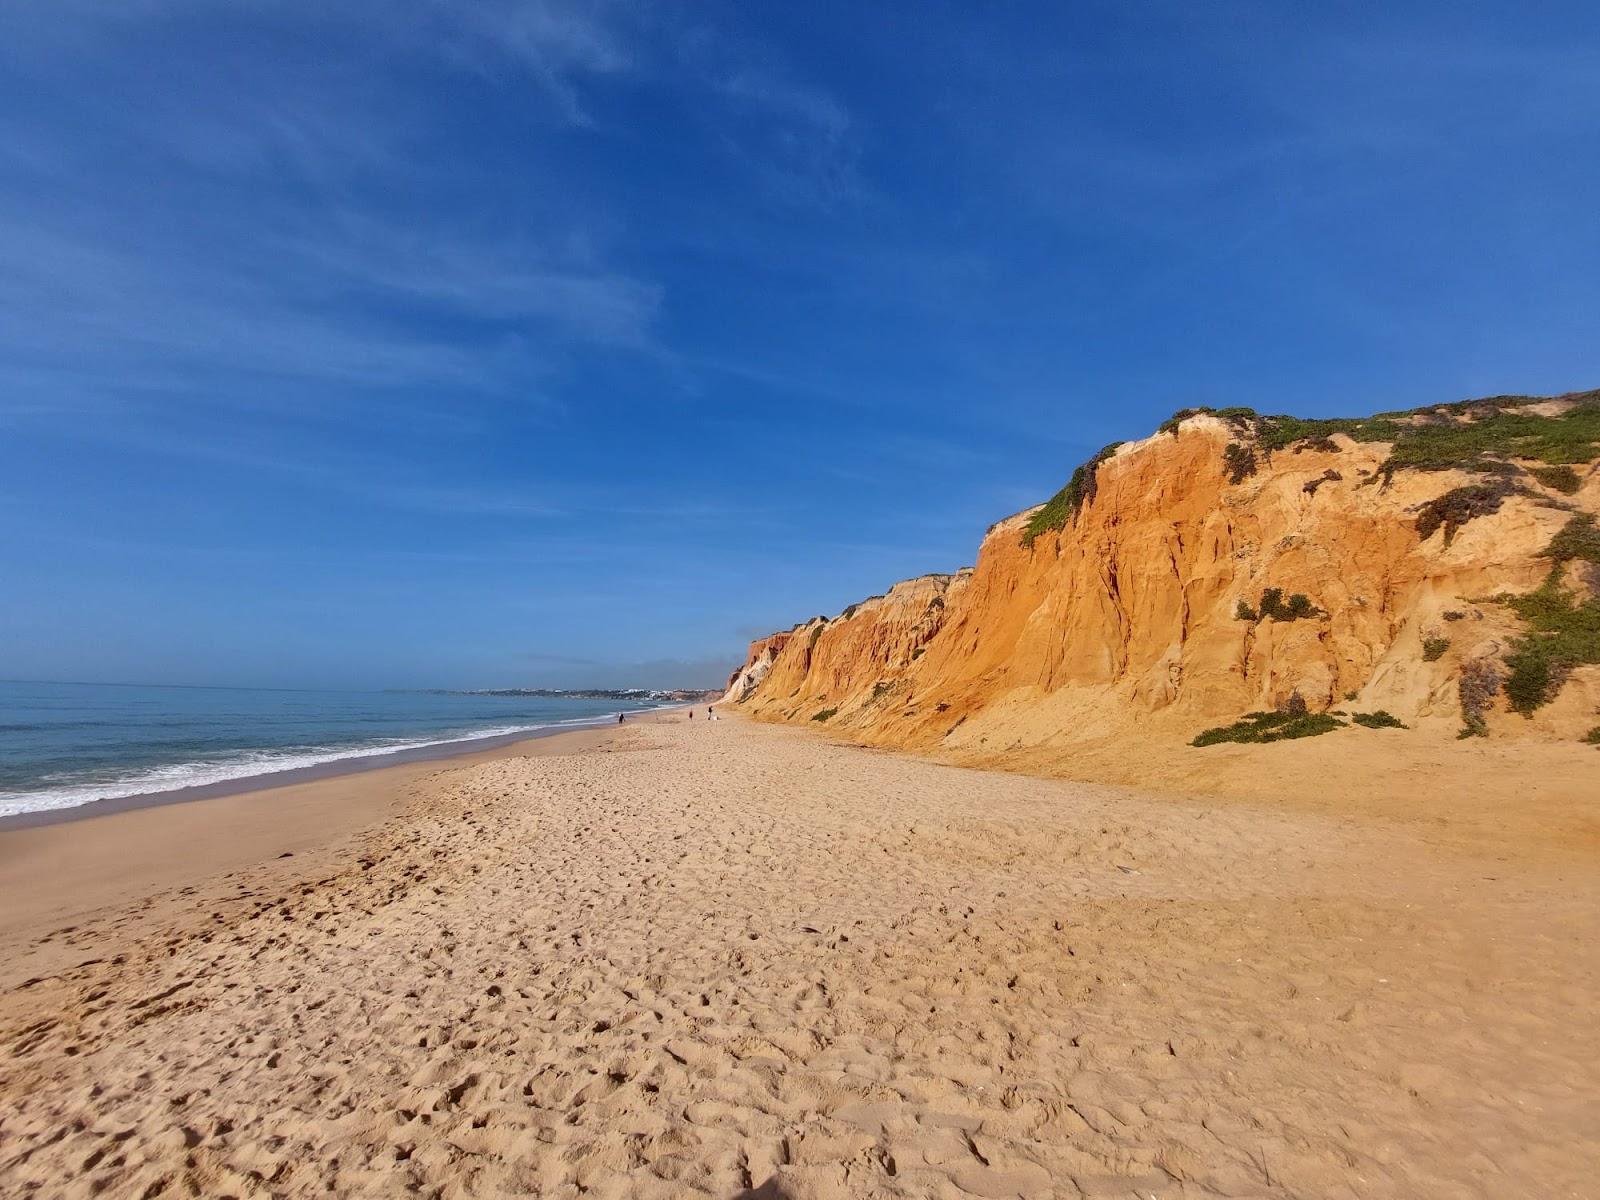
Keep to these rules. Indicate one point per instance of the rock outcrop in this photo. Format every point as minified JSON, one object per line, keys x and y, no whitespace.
{"x":1225,"y":565}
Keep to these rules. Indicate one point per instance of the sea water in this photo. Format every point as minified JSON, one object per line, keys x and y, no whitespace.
{"x":66,"y":744}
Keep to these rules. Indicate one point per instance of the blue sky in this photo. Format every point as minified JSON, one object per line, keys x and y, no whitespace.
{"x":429,"y":342}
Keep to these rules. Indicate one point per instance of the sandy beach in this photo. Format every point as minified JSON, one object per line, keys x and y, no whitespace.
{"x":727,"y":959}
{"x":137,"y":858}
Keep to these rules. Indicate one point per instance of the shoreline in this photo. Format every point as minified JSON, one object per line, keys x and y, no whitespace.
{"x":351,"y":764}
{"x":140,"y":858}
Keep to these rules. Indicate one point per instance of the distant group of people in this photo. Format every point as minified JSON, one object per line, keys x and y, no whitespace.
{"x":711,"y":715}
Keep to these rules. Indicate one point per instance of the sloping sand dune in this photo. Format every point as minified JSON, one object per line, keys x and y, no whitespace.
{"x":729,"y":959}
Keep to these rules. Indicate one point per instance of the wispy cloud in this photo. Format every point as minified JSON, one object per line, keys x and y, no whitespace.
{"x":348,"y":299}
{"x":557,"y":43}
{"x":808,"y":105}
{"x":231,"y":276}
{"x":492,"y":279}
{"x":799,"y":140}
{"x":76,"y":299}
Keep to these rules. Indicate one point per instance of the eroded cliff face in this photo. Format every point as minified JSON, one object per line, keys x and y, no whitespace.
{"x":1143,"y":609}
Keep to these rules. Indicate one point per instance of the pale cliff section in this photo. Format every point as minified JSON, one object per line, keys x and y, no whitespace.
{"x":1127,"y":618}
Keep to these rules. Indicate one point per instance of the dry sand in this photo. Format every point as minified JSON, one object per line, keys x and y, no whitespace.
{"x":729,"y":959}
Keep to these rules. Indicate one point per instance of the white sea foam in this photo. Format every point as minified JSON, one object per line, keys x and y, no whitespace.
{"x":244,"y":765}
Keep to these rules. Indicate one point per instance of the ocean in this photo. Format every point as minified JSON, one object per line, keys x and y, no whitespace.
{"x":68,"y":744}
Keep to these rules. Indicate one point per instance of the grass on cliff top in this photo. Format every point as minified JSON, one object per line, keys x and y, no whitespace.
{"x":1472,"y":435}
{"x":1481,"y":443}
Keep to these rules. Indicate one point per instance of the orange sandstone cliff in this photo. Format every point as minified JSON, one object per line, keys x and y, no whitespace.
{"x":1233,"y":563}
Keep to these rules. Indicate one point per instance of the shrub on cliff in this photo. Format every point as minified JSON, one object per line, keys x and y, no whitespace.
{"x":1433,"y":648}
{"x":1379,"y":720}
{"x":1274,"y":607}
{"x":1579,"y":540}
{"x":824,"y":714}
{"x":1298,"y":607}
{"x":1238,"y":461}
{"x":1563,"y":631}
{"x":1559,"y":479}
{"x":1476,"y":690}
{"x":1458,"y":506}
{"x":1270,"y":727}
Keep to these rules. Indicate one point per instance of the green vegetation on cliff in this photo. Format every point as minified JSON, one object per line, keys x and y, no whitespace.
{"x":1563,"y":630}
{"x":1275,"y":608}
{"x":1064,"y":505}
{"x":1270,"y":727}
{"x":1472,"y":435}
{"x":1458,"y":506}
{"x":1479,"y":436}
{"x":1381,"y":719}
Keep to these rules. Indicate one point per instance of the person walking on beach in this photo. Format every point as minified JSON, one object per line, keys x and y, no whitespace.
{"x":621,"y":717}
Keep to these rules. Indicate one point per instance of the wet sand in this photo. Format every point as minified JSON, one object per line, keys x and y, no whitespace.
{"x":728,"y":959}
